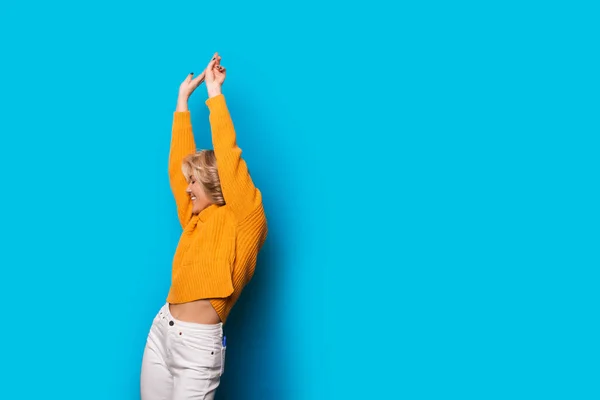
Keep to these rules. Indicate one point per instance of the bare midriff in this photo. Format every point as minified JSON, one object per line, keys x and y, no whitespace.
{"x":198,"y":311}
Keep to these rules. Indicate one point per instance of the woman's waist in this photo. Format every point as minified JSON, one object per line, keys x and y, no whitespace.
{"x":197,"y":311}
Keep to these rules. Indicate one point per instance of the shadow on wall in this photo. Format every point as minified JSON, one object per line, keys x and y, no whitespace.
{"x":254,"y":366}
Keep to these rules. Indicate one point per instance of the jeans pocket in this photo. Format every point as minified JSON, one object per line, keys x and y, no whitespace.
{"x":202,"y":349}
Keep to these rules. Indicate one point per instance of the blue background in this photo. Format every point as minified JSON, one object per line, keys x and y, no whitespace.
{"x":429,"y":170}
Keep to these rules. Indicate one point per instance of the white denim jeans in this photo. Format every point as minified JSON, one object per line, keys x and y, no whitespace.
{"x":182,"y":360}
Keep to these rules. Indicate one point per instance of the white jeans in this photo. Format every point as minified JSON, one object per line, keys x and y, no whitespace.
{"x":182,"y":360}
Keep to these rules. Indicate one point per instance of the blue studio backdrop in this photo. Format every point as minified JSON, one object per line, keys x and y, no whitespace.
{"x":429,"y":172}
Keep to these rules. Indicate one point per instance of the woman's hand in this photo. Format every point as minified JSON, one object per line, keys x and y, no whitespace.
{"x":215,"y":76}
{"x":186,"y":89}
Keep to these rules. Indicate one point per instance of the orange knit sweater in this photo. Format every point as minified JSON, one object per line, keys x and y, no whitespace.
{"x":217,"y":251}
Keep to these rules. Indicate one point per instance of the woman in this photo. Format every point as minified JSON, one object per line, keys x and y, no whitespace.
{"x":224,"y":227}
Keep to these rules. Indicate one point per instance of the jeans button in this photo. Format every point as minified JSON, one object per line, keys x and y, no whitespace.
{"x":171,"y":323}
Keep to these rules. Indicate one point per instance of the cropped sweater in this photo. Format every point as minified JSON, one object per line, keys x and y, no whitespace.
{"x":218,"y":248}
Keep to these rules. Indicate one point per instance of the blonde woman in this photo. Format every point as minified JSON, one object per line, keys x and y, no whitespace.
{"x":224,"y":227}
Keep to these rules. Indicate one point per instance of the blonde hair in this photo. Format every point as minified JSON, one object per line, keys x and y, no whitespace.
{"x":203,"y":166}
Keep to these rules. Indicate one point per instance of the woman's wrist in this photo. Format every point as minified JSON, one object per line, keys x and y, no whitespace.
{"x":182,"y":104}
{"x":213,"y":90}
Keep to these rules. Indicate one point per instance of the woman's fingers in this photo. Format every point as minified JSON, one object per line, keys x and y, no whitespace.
{"x":213,"y":62}
{"x":198,"y":80}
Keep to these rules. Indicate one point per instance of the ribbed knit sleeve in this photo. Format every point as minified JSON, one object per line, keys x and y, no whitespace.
{"x":182,"y":144}
{"x":238,"y":189}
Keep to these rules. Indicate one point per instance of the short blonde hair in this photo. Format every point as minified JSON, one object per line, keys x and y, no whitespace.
{"x":203,"y":166}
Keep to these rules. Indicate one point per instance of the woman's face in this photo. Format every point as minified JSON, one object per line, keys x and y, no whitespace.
{"x":199,"y":198}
